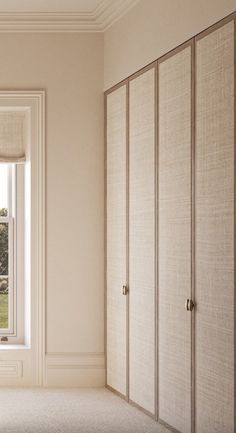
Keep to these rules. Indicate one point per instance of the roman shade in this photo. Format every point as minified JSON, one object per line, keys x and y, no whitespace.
{"x":12,"y":136}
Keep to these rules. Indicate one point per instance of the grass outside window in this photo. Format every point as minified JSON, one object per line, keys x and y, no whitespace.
{"x":3,"y":311}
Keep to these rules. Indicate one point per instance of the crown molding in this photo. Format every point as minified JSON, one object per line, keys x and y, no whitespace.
{"x":98,"y":20}
{"x":108,"y":12}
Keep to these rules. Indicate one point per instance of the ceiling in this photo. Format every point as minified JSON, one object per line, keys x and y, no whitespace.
{"x":61,"y":15}
{"x":49,"y":5}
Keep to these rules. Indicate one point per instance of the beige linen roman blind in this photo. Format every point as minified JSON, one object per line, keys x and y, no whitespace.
{"x":12,"y":136}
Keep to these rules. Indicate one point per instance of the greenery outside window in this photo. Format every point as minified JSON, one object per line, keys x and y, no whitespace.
{"x":11,"y":249}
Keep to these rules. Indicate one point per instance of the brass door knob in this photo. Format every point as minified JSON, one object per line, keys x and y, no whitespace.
{"x":189,"y":305}
{"x":125,"y":290}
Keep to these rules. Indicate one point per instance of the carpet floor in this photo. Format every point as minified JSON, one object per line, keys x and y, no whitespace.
{"x":70,"y":411}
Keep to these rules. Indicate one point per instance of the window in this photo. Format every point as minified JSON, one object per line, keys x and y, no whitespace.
{"x":22,"y":150}
{"x":11,"y":252}
{"x":6,"y":248}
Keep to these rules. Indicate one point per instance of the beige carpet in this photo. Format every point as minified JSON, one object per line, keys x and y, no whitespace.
{"x":70,"y":411}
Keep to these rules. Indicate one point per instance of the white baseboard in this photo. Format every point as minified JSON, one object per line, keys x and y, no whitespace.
{"x":75,"y":370}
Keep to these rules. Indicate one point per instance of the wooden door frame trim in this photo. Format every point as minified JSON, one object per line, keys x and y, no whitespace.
{"x":234,"y":219}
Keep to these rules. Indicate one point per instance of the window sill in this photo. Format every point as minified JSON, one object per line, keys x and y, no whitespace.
{"x":14,"y":347}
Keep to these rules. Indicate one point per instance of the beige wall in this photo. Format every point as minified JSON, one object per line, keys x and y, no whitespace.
{"x":73,"y":79}
{"x":70,"y":68}
{"x":154,"y":27}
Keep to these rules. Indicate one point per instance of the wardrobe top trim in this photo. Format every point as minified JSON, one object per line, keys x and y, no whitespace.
{"x":215,"y":26}
{"x":142,"y":71}
{"x":123,"y":83}
{"x":189,"y":42}
{"x":182,"y":47}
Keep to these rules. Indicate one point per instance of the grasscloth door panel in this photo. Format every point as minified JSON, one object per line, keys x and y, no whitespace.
{"x":215,"y":231}
{"x":116,"y":257}
{"x":174,"y":234}
{"x":142,"y":240}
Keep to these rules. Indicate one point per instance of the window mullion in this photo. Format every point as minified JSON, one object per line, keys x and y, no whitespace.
{"x":9,"y":187}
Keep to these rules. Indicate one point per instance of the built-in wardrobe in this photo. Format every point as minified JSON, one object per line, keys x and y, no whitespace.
{"x":170,"y":235}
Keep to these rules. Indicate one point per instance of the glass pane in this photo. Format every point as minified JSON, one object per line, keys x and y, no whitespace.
{"x":4,"y":303}
{"x":4,"y":287}
{"x":4,"y":199}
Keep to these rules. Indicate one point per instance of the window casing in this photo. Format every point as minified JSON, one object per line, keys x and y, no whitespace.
{"x":28,"y":355}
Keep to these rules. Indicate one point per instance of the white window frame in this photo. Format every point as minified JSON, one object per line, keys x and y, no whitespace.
{"x":16,"y":250}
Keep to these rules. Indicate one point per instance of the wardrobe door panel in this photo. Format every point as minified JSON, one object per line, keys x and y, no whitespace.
{"x":116,"y":256}
{"x":175,"y":240}
{"x":215,"y":232}
{"x":142,"y":240}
